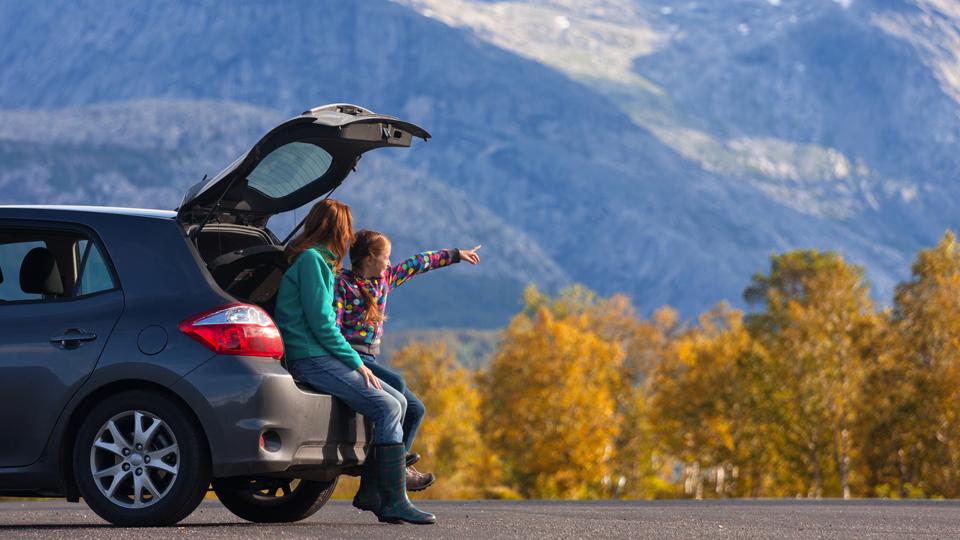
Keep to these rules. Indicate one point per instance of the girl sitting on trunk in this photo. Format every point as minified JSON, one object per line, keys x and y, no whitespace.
{"x":361,"y":296}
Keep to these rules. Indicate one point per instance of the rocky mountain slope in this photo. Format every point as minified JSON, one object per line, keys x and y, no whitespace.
{"x":844,"y":110}
{"x":661,"y":149}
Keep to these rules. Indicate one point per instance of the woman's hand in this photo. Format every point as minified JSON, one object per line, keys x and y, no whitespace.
{"x":470,"y":255}
{"x":370,"y":377}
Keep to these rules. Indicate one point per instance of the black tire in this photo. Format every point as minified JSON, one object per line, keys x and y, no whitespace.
{"x":273,"y":500}
{"x":157,"y":484}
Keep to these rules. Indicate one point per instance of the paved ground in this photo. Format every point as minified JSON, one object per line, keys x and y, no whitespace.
{"x":490,"y":520}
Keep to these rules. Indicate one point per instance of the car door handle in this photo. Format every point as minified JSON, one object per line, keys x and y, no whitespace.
{"x":71,"y":339}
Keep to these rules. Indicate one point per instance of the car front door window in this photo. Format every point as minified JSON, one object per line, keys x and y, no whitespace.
{"x":11,"y":258}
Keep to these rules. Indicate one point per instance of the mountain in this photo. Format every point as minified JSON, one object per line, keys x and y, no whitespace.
{"x":141,"y":153}
{"x":842,"y":110}
{"x":664,"y":150}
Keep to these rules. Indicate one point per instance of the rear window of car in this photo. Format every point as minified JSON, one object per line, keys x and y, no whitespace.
{"x":289,"y":168}
{"x":40,"y":264}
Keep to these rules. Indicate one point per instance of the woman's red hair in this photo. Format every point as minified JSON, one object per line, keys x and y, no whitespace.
{"x":329,"y":223}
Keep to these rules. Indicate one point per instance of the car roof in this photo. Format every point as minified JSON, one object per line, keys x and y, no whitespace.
{"x":140,"y":212}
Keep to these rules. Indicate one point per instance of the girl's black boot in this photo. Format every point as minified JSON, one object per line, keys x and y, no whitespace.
{"x":368,"y":496}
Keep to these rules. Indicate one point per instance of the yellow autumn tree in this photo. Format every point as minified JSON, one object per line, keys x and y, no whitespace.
{"x":550,"y":406}
{"x":703,"y":408}
{"x":449,"y":439}
{"x":615,"y":320}
{"x":915,"y":406}
{"x":641,"y":468}
{"x":645,"y":463}
{"x":819,"y":326}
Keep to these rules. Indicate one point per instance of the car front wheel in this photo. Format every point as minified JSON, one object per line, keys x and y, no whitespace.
{"x":140,"y":460}
{"x":273,"y":500}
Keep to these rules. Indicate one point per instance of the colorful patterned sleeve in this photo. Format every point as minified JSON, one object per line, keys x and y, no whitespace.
{"x":339,"y":289}
{"x":418,"y":264}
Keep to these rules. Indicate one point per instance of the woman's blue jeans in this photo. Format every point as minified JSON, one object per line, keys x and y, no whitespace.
{"x":415,"y":408}
{"x":385,"y":408}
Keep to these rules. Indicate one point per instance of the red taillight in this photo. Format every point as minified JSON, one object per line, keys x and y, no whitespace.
{"x":236,"y":329}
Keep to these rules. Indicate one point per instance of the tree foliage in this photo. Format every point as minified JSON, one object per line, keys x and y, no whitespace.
{"x":703,"y":407}
{"x":914,"y":426}
{"x":818,"y":327}
{"x":448,"y":438}
{"x":550,"y":405}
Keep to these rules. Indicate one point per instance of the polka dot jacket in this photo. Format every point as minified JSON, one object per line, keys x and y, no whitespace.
{"x":365,"y":336}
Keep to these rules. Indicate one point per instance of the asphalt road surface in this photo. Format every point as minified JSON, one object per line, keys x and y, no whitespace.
{"x":490,"y":520}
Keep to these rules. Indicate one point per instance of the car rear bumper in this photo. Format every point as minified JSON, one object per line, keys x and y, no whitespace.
{"x":259,"y":421}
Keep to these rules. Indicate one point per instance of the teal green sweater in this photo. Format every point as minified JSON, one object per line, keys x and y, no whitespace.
{"x":305,"y":314}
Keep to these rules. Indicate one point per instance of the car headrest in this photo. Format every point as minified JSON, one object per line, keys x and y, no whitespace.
{"x":39,"y":273}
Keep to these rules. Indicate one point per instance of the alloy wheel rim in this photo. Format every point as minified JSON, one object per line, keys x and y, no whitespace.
{"x":135,"y":459}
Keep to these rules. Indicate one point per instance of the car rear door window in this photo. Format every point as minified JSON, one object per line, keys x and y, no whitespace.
{"x":95,"y":276}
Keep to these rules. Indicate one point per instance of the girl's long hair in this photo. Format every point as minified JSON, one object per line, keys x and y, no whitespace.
{"x":367,"y":243}
{"x":329,"y":223}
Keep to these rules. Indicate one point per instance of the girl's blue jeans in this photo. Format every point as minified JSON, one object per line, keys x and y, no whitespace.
{"x":415,"y":408}
{"x":385,"y":408}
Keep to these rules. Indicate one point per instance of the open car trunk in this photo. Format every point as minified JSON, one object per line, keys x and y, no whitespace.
{"x":297,"y":162}
{"x":252,"y":274}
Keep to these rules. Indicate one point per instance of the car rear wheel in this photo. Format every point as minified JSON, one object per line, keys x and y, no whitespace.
{"x":273,"y":500}
{"x":140,"y":460}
